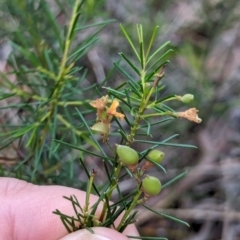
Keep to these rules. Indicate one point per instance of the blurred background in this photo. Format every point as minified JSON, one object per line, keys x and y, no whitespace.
{"x":205,"y":36}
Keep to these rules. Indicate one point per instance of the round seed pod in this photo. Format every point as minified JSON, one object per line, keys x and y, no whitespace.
{"x":151,"y":186}
{"x":127,"y":155}
{"x":156,"y":155}
{"x":187,"y":98}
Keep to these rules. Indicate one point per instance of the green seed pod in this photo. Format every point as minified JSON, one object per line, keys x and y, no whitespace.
{"x":156,"y":155}
{"x":187,"y":98}
{"x":127,"y":155}
{"x":100,"y":127}
{"x":151,"y":186}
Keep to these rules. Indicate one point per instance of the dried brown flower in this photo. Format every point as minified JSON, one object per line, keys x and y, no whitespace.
{"x":113,"y":110}
{"x":99,"y":103}
{"x":190,"y":114}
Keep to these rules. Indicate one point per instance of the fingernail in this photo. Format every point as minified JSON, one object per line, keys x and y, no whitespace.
{"x":97,"y":237}
{"x":84,"y":235}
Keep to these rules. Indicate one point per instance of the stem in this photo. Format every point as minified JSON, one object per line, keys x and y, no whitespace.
{"x":71,"y":103}
{"x":20,"y":92}
{"x":68,"y":125}
{"x":112,"y":187}
{"x":159,"y":114}
{"x":144,"y":103}
{"x":126,"y":214}
{"x":67,"y":45}
{"x":110,"y":147}
{"x":63,"y":69}
{"x":89,"y":189}
{"x":88,"y":193}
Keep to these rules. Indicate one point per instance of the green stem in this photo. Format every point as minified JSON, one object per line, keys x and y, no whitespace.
{"x":159,"y":114}
{"x":89,"y":190}
{"x":112,"y":187}
{"x":63,"y":67}
{"x":71,"y":103}
{"x":144,"y":103}
{"x":60,"y":77}
{"x":68,"y":125}
{"x":88,"y":193}
{"x":128,"y":211}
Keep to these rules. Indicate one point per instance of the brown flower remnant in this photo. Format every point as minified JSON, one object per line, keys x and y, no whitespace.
{"x":147,"y":165}
{"x":100,"y":105}
{"x":190,"y":114}
{"x":105,"y":115}
{"x":113,"y":110}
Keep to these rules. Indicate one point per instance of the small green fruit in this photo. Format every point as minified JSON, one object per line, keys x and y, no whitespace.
{"x":151,"y":185}
{"x":127,"y":155}
{"x":156,"y":155}
{"x":187,"y":98}
{"x":100,"y":127}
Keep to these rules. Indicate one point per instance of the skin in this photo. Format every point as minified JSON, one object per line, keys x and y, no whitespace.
{"x":26,"y":213}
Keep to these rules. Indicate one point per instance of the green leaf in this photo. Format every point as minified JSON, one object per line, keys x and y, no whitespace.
{"x":6,"y":95}
{"x":157,"y":165}
{"x":130,"y":64}
{"x":77,"y":52}
{"x":109,"y":75}
{"x":158,"y":143}
{"x":153,"y":73}
{"x":105,"y":23}
{"x":48,"y":59}
{"x":129,"y":41}
{"x":135,"y":90}
{"x":75,"y":15}
{"x":174,"y":179}
{"x":141,"y":45}
{"x":84,"y":150}
{"x":160,"y":58}
{"x":37,"y":158}
{"x":167,"y":98}
{"x":167,"y":144}
{"x":158,"y":50}
{"x":27,"y":54}
{"x":166,"y":215}
{"x":131,"y":81}
{"x":142,"y":57}
{"x":24,"y":130}
{"x":124,"y":72}
{"x":54,"y":24}
{"x":31,"y":137}
{"x":152,"y":40}
{"x":159,"y":122}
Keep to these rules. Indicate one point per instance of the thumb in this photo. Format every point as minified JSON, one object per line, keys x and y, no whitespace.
{"x":100,"y":233}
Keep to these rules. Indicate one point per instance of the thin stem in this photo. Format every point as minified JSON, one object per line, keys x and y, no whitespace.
{"x":20,"y":92}
{"x":62,"y":72}
{"x":68,"y":125}
{"x":112,"y":187}
{"x":159,"y":114}
{"x":128,"y":211}
{"x":89,"y":190}
{"x":88,"y":193}
{"x":143,"y":104}
{"x":110,"y":147}
{"x":71,"y":103}
{"x":63,"y":67}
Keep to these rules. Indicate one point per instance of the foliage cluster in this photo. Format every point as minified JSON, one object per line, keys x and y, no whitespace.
{"x":46,"y":87}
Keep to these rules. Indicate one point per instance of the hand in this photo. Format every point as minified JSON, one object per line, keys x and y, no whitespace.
{"x":26,"y":213}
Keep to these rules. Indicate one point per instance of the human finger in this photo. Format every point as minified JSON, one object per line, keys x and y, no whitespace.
{"x":26,"y":210}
